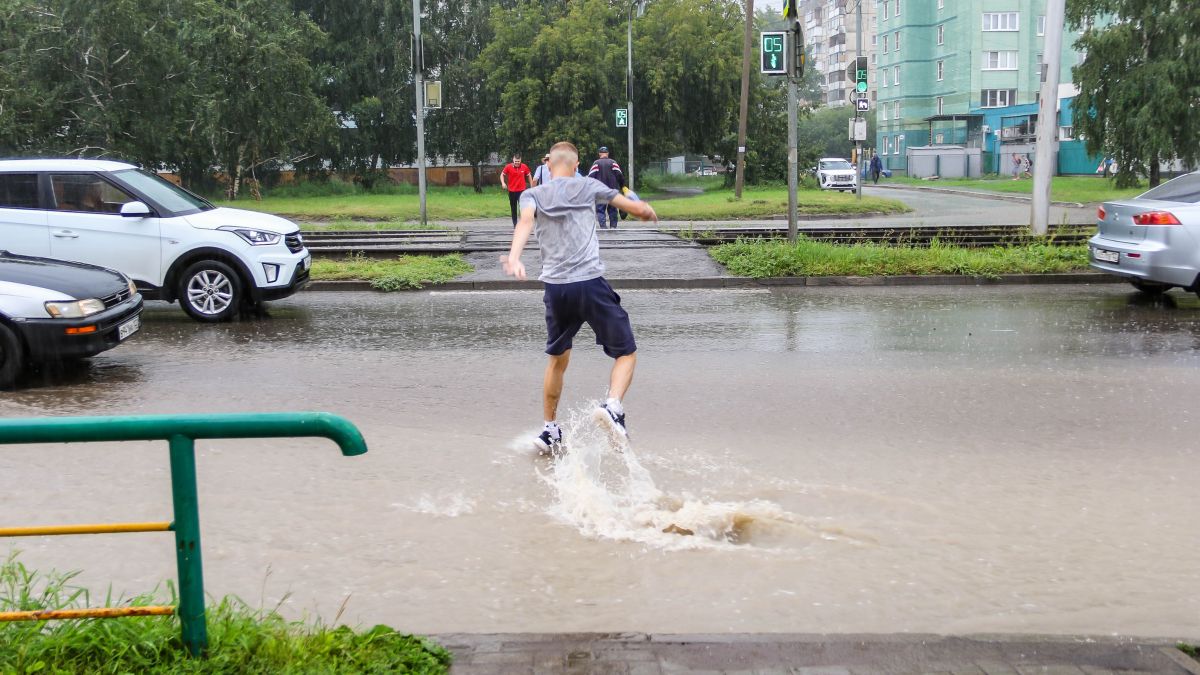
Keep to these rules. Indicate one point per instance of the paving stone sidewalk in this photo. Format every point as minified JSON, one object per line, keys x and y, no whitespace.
{"x":653,"y":654}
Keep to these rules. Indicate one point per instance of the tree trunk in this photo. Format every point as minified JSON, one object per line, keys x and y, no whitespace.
{"x":1155,"y":176}
{"x":477,"y":176}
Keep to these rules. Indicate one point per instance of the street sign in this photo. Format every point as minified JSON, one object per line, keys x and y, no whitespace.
{"x":862,"y":104}
{"x":773,"y":60}
{"x":622,"y":117}
{"x":858,"y":129}
{"x":860,"y":74}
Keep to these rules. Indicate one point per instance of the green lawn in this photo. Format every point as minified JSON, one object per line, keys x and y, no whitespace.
{"x":1083,"y":189}
{"x":465,"y":204}
{"x":761,"y":259}
{"x":402,"y":273}
{"x":242,"y":639}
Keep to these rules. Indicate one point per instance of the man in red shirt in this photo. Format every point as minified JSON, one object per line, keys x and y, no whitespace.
{"x":514,"y":178}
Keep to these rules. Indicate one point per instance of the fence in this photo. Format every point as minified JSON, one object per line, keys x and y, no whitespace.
{"x":181,"y":433}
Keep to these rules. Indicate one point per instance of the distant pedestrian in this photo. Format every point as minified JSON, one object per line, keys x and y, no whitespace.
{"x":876,"y":167}
{"x":1026,"y":166}
{"x":514,"y":179}
{"x":541,"y":175}
{"x":608,"y":172}
{"x":1016,"y":166}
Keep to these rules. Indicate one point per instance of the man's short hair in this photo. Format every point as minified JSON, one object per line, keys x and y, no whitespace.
{"x":564,"y":153}
{"x":516,"y":155}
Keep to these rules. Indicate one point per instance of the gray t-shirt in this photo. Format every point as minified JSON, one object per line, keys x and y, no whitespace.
{"x":565,"y":226}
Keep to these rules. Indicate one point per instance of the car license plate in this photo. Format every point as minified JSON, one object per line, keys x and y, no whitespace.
{"x":307,"y":261}
{"x":129,"y":328}
{"x":1106,"y":256}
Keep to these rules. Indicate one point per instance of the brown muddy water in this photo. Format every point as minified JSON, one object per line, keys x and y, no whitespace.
{"x":950,"y":460}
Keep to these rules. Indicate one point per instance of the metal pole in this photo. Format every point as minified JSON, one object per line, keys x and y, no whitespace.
{"x":793,"y":141}
{"x":629,"y":93}
{"x":418,"y":68}
{"x":744,"y":105}
{"x":1047,"y":129}
{"x":858,"y":179}
{"x":187,"y":544}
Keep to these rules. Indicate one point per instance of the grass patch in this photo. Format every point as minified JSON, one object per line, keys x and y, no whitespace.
{"x":1083,"y":189}
{"x":396,"y":203}
{"x":407,"y":272}
{"x":763,"y":202}
{"x":650,"y":183}
{"x":1189,"y":649}
{"x":761,"y":259}
{"x":241,"y":639}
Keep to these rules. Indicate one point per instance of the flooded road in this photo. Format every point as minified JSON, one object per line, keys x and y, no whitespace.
{"x":951,"y":460}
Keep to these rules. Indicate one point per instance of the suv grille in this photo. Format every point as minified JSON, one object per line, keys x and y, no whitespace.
{"x":294,"y":243}
{"x":116,"y":298}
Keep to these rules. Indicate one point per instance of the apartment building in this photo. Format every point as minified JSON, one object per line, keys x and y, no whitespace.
{"x":831,"y":31}
{"x":940,"y":63}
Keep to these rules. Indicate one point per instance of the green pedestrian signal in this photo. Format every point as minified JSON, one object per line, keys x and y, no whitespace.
{"x":860,"y":74}
{"x":774,"y":58}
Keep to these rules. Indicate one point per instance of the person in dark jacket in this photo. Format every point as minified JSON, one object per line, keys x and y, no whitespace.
{"x":608,"y":172}
{"x":876,"y":167}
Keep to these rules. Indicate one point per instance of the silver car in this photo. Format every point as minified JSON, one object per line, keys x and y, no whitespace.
{"x":1153,"y":240}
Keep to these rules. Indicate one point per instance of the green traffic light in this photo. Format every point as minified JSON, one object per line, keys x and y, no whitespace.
{"x":862,"y":86}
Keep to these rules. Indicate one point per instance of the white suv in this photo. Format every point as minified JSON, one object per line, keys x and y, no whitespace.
{"x":835,"y":173}
{"x":172,"y":243}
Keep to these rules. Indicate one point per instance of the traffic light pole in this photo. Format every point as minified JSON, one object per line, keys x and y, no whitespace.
{"x":858,"y":179}
{"x":793,"y":169}
{"x":1047,"y":127}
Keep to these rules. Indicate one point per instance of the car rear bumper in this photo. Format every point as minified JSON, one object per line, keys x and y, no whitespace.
{"x":1147,"y":260}
{"x":47,"y":339}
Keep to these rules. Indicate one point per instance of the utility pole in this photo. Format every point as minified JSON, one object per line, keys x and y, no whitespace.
{"x":1047,"y":128}
{"x":641,"y":9}
{"x":419,"y":69}
{"x":858,"y":180}
{"x":793,"y":140}
{"x":743,"y":110}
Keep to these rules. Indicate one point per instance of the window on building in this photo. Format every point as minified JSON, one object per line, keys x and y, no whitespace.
{"x":939,"y":138}
{"x":873,"y":55}
{"x":940,"y":102}
{"x":941,"y":70}
{"x":885,"y":44}
{"x":1001,"y":21}
{"x":1041,"y":25}
{"x":1066,"y":133}
{"x":897,"y":12}
{"x":941,"y":4}
{"x":887,"y":145}
{"x":896,"y":110}
{"x":874,"y":40}
{"x":896,"y":40}
{"x":885,"y":11}
{"x":1006,"y":60}
{"x":997,"y":98}
{"x":883,"y":81}
{"x":896,"y":76}
{"x":941,"y":34}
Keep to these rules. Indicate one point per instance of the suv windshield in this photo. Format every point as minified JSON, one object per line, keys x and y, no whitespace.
{"x":163,"y":192}
{"x":836,"y":164}
{"x":1182,"y":189}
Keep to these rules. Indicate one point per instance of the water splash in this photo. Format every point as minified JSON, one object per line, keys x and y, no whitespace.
{"x":605,"y":492}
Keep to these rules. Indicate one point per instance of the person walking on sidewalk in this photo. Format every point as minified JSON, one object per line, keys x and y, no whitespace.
{"x":513,"y":178}
{"x":541,"y":175}
{"x":876,"y":167}
{"x":607,"y":171}
{"x":576,"y":292}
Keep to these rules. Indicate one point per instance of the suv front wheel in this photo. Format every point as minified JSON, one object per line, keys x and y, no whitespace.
{"x":210,"y":290}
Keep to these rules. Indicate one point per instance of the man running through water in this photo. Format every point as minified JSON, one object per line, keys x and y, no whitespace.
{"x":575,"y":289}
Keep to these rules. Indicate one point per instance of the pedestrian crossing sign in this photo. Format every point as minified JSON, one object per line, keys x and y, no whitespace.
{"x":622,"y":117}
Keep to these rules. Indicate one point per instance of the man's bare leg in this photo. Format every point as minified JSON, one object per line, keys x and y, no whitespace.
{"x":552,"y":384}
{"x":622,"y":376}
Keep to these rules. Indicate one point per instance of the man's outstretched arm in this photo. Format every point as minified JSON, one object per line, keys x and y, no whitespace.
{"x":511,"y":263}
{"x":639,"y":208}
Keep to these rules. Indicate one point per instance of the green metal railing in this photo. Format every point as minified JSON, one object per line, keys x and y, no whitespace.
{"x":181,"y":433}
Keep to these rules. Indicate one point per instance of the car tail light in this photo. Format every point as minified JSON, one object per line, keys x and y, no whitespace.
{"x":1156,"y":218}
{"x":1100,"y":214}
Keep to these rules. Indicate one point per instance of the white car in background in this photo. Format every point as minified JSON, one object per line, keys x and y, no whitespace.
{"x":835,"y":173}
{"x":172,"y":243}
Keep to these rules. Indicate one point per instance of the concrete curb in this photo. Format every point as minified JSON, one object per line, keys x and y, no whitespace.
{"x":805,"y":653}
{"x":709,"y":283}
{"x":979,"y":193}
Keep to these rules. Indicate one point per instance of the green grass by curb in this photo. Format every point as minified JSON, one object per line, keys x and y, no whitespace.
{"x":405,"y":272}
{"x":241,"y":639}
{"x":806,"y":258}
{"x":1082,"y":189}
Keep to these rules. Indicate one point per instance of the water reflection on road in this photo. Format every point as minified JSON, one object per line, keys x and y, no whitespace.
{"x":1015,"y":459}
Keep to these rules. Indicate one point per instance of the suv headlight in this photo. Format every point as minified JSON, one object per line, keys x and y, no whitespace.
{"x":76,"y":309}
{"x":255,"y":237}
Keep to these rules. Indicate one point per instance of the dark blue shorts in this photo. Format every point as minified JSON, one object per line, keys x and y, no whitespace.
{"x":569,"y":306}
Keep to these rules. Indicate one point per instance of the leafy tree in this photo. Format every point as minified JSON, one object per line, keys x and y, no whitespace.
{"x":1139,"y":85}
{"x":824,"y":134}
